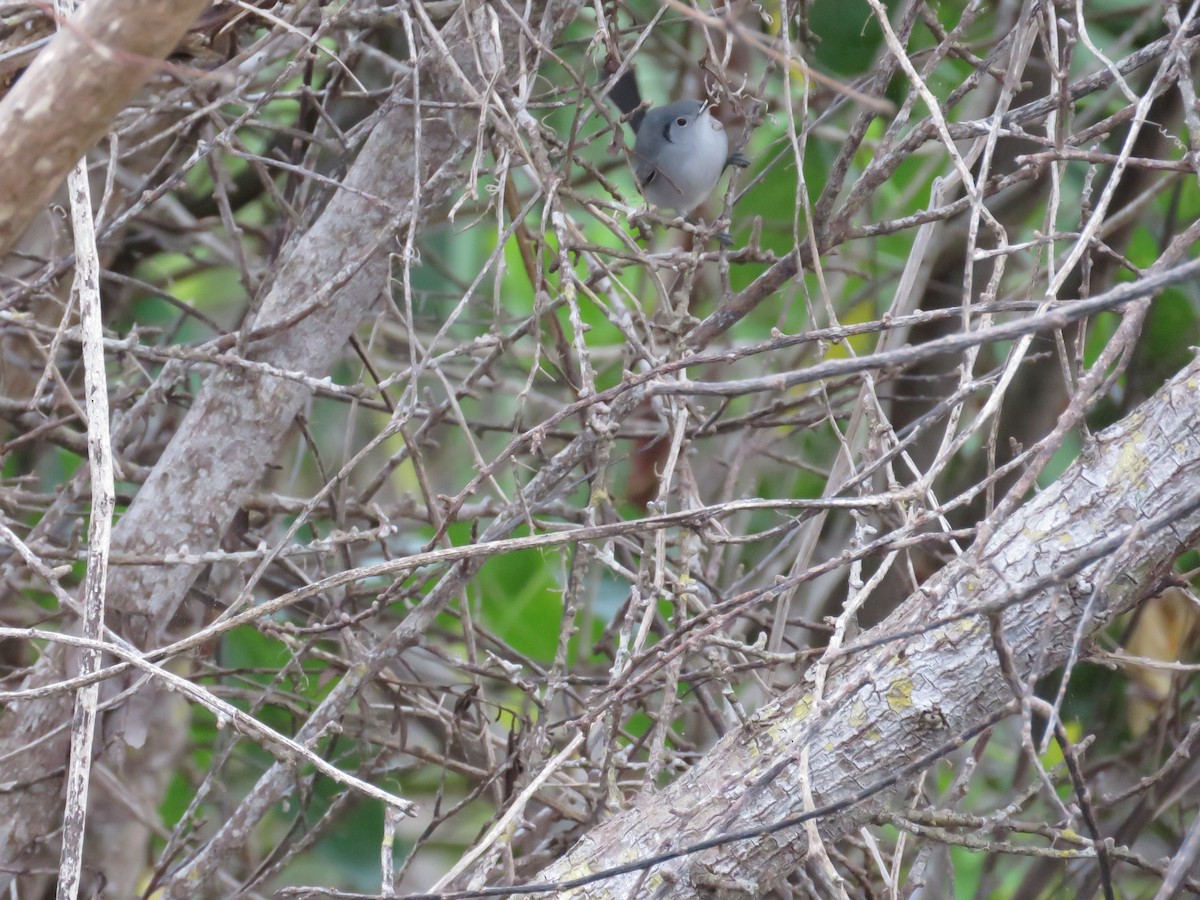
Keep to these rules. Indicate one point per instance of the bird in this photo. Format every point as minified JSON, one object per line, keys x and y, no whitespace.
{"x":679,"y":150}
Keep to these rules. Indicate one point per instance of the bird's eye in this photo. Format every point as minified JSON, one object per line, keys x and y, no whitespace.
{"x":681,"y":121}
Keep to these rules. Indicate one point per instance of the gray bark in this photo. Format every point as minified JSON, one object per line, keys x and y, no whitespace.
{"x":1101,"y":538}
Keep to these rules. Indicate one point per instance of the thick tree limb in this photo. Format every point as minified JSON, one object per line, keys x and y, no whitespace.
{"x":1101,"y":538}
{"x":68,"y":97}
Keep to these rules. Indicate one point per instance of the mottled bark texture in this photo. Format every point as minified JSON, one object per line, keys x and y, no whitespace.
{"x":1100,"y":538}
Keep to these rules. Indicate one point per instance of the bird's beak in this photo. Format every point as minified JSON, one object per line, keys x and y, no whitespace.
{"x":713,"y":122}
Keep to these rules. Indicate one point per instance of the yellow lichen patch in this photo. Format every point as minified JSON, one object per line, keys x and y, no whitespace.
{"x":628,"y":854}
{"x":858,"y":714}
{"x":775,"y":733}
{"x":1131,"y":460}
{"x":802,"y":708}
{"x":778,"y":730}
{"x":969,"y":626}
{"x":899,"y":695}
{"x":583,"y":870}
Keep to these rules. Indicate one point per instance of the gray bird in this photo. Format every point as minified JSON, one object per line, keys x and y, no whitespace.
{"x":679,"y":150}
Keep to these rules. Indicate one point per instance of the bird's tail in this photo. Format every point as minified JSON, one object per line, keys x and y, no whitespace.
{"x":626,"y":96}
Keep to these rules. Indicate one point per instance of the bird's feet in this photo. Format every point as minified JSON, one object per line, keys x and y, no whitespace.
{"x":705,"y":231}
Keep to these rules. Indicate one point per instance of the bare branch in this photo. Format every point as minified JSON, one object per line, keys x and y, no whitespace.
{"x":67,"y":99}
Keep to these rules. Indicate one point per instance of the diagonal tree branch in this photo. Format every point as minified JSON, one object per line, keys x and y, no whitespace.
{"x":95,"y":64}
{"x":1127,"y":508}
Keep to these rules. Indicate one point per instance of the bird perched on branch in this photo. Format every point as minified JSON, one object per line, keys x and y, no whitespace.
{"x":679,"y":150}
